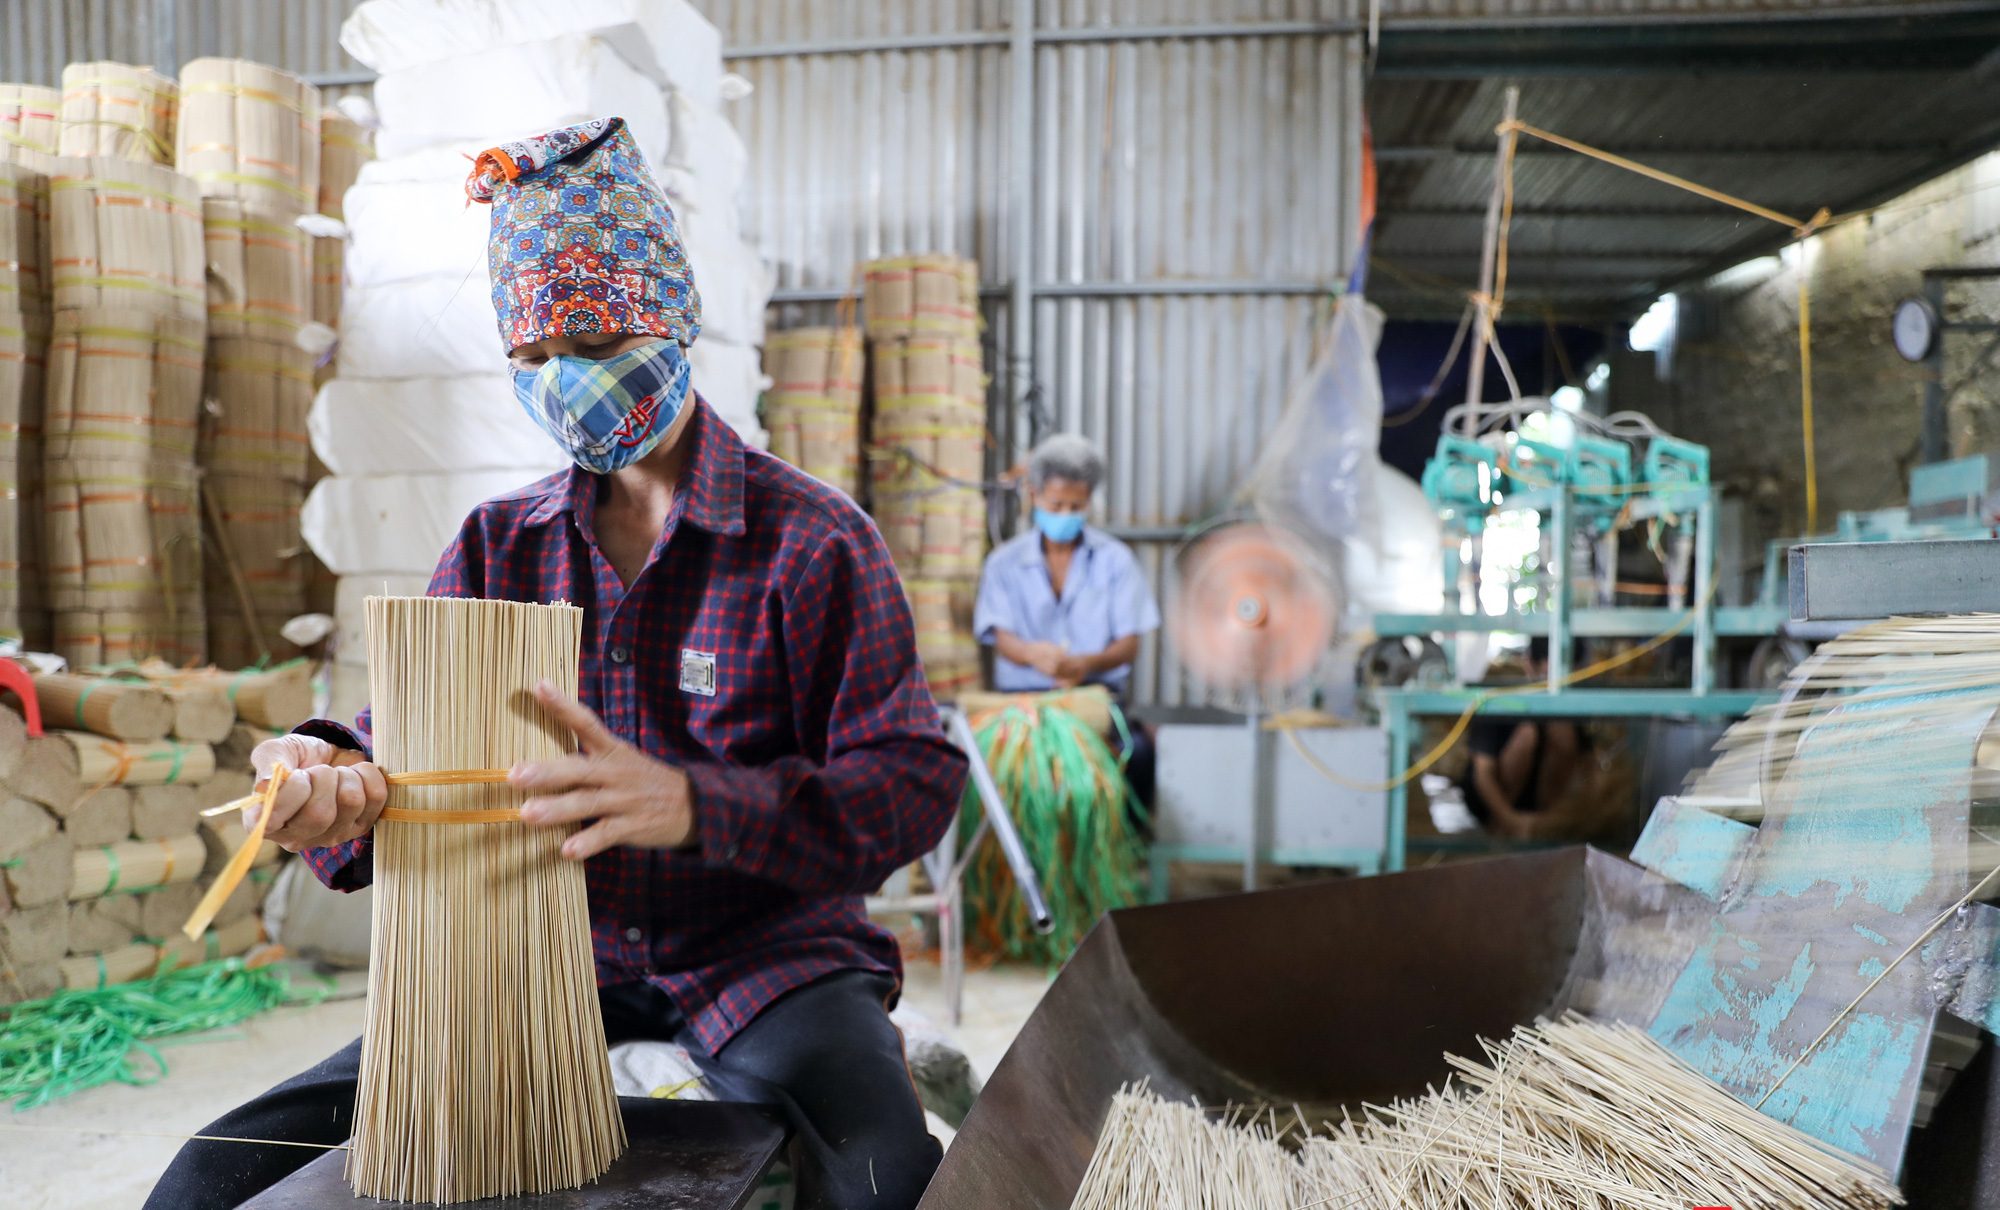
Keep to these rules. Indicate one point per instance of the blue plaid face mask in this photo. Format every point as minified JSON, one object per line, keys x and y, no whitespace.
{"x":607,"y":414}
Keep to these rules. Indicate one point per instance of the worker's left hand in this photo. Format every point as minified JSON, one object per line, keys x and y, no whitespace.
{"x":633,"y":799}
{"x":1069,"y":671}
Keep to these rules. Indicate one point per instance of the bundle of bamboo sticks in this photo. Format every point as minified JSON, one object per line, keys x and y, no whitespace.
{"x":30,"y":119}
{"x":929,"y":295}
{"x":465,"y":1093}
{"x":344,"y":146}
{"x":116,"y":111}
{"x":24,"y":335}
{"x":250,"y":132}
{"x":813,"y":409}
{"x":1571,"y":1114}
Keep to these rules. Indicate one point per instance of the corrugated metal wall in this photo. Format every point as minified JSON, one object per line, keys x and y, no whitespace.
{"x":39,"y":36}
{"x":1192,"y":205}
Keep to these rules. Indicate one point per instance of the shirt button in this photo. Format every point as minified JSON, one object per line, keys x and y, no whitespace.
{"x":621,"y":655}
{"x":633,"y":934}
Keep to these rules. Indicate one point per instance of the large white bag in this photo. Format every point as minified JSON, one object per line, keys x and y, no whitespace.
{"x":374,"y":525}
{"x":704,"y":147}
{"x":731,"y":378}
{"x":667,"y":40}
{"x":365,"y":426}
{"x":512,"y":92}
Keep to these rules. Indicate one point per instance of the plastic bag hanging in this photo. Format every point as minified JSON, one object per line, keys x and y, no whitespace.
{"x":1316,"y":477}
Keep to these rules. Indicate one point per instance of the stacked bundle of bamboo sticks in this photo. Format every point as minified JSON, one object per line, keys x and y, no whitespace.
{"x":103,"y":851}
{"x":118,"y":111}
{"x":927,"y":449}
{"x":24,"y":338}
{"x":249,"y":136}
{"x":344,"y":147}
{"x":1569,"y":1113}
{"x":813,"y":409}
{"x":30,"y":116}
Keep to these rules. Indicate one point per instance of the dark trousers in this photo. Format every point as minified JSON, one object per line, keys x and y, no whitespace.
{"x":826,"y":1054}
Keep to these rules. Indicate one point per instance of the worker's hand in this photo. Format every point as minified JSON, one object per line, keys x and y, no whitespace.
{"x":1070,"y":671}
{"x":1045,"y":657}
{"x":632,"y":798}
{"x":332,"y":796}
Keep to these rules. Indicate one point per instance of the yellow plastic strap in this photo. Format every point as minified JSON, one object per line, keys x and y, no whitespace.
{"x":239,"y":862}
{"x":406,"y":815}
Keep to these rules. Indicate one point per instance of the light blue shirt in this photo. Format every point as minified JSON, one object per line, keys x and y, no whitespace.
{"x":1105,"y":597}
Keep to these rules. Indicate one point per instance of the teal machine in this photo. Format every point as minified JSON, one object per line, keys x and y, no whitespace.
{"x":1584,"y":491}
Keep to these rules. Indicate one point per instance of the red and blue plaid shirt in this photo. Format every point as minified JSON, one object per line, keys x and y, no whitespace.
{"x":818,"y":762}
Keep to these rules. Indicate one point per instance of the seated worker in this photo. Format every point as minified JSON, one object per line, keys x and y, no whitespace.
{"x":1064,"y":604}
{"x":758,"y":747}
{"x":1520,"y":767}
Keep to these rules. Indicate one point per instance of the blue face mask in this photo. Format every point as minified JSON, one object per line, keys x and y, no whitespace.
{"x":1062,"y":528}
{"x":607,"y":414}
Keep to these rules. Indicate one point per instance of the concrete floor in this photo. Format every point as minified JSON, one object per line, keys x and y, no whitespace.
{"x":50,"y":1159}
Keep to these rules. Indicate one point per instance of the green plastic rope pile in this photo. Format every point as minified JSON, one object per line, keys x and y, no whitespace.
{"x":75,"y":1040}
{"x":1074,"y":810}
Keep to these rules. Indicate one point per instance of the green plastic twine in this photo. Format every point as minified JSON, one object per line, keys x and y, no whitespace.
{"x":111,"y":874}
{"x":75,"y":1040}
{"x":1068,"y":795}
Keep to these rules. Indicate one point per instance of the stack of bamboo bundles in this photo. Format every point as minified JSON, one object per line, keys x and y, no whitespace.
{"x":103,"y":851}
{"x":927,"y":452}
{"x":931,"y":295}
{"x":249,"y":137}
{"x":254,"y":460}
{"x":343,"y":148}
{"x":30,"y":117}
{"x":24,"y":335}
{"x":118,"y":111}
{"x":250,"y":132}
{"x":813,"y":408}
{"x":123,"y":539}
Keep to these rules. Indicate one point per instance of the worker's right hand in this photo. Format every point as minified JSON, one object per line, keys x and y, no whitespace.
{"x":331,"y":797}
{"x":1045,"y":658}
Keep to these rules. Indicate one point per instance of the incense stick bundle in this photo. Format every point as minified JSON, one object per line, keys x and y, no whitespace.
{"x":275,"y":699}
{"x":30,"y":124}
{"x":933,"y":294}
{"x":813,"y":409}
{"x":222,"y":836}
{"x":23,"y":824}
{"x":39,"y":872}
{"x":120,"y":709}
{"x":202,"y":712}
{"x":46,"y":771}
{"x":259,"y":272}
{"x":85,"y":970}
{"x":24,"y":239}
{"x":250,"y":132}
{"x":35,"y":936}
{"x":24,"y":341}
{"x":150,"y":914}
{"x":118,"y":112}
{"x":171,"y":627}
{"x":127,"y":236}
{"x":103,"y":761}
{"x":123,"y":385}
{"x":163,"y":812}
{"x":99,"y":816}
{"x":484,"y":1070}
{"x":92,"y":930}
{"x":223,"y":941}
{"x":135,"y":865}
{"x":344,"y":146}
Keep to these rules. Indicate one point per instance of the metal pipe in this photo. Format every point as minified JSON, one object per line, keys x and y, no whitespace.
{"x":1003,"y":824}
{"x":1253,"y":840}
{"x":1936,"y":431}
{"x":955,"y":39}
{"x":1169,"y":288}
{"x":1563,"y":521}
{"x":1021,"y":224}
{"x":1704,"y":596}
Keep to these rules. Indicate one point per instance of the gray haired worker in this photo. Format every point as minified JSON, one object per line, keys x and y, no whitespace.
{"x":1065,"y":604}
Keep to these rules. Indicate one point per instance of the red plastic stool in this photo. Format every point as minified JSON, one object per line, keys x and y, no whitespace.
{"x":15,"y":679}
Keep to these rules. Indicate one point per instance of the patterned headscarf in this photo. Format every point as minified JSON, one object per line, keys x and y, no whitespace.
{"x":582,"y":240}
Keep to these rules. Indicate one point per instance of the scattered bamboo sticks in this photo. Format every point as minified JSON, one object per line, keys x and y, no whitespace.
{"x":1566,"y":1114}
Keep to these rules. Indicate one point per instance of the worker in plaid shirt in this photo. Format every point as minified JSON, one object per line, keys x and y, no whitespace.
{"x":760,"y":749}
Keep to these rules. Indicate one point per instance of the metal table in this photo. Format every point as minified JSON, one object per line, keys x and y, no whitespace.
{"x":1402,"y":707}
{"x":684,"y":1155}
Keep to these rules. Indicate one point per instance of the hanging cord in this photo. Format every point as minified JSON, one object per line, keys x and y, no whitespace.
{"x":1801,"y":228}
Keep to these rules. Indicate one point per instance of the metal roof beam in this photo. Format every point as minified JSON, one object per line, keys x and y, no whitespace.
{"x":1636,"y":214}
{"x":1405,"y":152}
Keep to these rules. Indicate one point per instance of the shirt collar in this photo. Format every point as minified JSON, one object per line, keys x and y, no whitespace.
{"x":713,"y":481}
